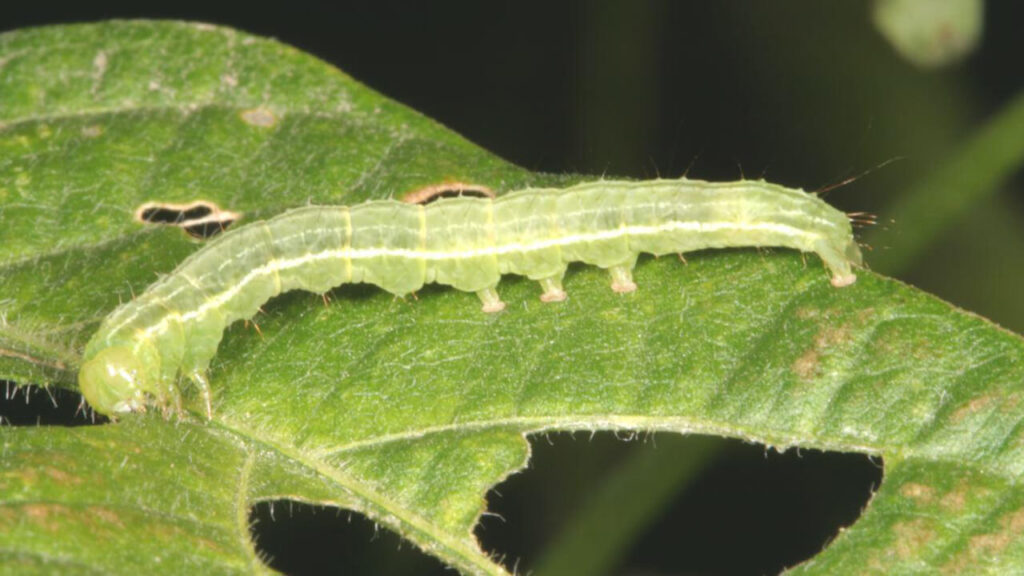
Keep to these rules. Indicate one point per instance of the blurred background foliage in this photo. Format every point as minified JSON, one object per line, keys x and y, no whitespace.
{"x":804,"y":93}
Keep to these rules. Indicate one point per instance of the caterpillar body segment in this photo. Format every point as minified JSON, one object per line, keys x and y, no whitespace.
{"x":142,"y":350}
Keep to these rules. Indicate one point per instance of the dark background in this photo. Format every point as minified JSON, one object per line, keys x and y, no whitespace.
{"x":805,"y":93}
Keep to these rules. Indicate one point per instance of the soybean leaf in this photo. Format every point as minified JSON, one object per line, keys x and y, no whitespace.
{"x":408,"y":411}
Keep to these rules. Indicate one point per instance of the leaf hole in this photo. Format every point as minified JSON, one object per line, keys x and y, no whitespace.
{"x":296,"y":538}
{"x":199,"y":219}
{"x":435,"y":192}
{"x":697,"y":505}
{"x":38,"y":406}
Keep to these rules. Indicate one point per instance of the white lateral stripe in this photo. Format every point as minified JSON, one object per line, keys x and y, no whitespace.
{"x":356,"y":254}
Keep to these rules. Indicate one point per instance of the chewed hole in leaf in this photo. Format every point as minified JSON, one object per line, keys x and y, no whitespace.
{"x":714,"y":506}
{"x":200,"y":219}
{"x":206,"y":229}
{"x":37,"y":406}
{"x":297,"y":539}
{"x":174,"y":214}
{"x":435,"y":192}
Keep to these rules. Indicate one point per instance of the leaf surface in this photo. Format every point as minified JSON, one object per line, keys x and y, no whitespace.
{"x":409,"y":411}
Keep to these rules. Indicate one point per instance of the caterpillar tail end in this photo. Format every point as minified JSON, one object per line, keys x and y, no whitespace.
{"x":840,"y":259}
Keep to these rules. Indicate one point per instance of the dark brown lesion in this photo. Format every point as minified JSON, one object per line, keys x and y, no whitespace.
{"x":200,"y":219}
{"x":428,"y":194}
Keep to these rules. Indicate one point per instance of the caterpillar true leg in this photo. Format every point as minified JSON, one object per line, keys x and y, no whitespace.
{"x":492,"y":302}
{"x":553,"y":291}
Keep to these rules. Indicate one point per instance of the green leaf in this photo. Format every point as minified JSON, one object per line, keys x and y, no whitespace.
{"x":409,"y":411}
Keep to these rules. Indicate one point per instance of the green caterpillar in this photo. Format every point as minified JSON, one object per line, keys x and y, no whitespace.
{"x":174,"y":327}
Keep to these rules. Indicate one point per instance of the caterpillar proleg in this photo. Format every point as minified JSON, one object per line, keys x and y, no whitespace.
{"x":172,"y":330}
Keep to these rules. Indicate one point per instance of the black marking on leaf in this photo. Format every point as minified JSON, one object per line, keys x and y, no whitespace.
{"x":199,"y":219}
{"x":434,"y":192}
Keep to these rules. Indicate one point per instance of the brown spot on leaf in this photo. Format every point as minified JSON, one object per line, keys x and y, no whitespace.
{"x":1014,"y":521}
{"x":918,"y":492}
{"x":830,"y":336}
{"x":209,"y":545}
{"x":24,"y":476}
{"x":1008,"y":403}
{"x":99,"y":64}
{"x":172,"y":533}
{"x":807,"y":313}
{"x":61,"y":477}
{"x":957,"y":564}
{"x":984,"y":546}
{"x":956,"y":499}
{"x":806,"y":366}
{"x":866,"y":314}
{"x":262,"y":117}
{"x":7,"y":518}
{"x":47,"y":516}
{"x":107,"y":515}
{"x":974,"y":406}
{"x":912,"y":537}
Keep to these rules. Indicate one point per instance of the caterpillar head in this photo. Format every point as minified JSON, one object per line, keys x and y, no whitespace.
{"x":115,"y":381}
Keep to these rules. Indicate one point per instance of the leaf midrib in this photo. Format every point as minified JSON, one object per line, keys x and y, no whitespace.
{"x":377,"y":505}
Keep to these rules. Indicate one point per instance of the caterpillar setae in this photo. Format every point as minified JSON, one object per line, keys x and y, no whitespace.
{"x":172,"y":330}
